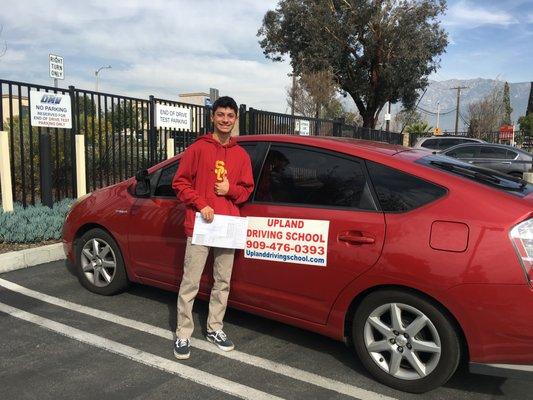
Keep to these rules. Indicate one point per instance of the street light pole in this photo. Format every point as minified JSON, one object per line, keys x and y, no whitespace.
{"x":96,"y":87}
{"x":96,"y":75}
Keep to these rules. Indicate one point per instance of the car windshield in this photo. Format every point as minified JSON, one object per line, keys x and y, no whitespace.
{"x":481,"y":175}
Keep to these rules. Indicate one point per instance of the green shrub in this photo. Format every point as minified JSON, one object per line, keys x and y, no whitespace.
{"x":33,"y":223}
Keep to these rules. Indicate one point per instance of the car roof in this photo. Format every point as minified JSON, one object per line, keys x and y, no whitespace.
{"x":497,"y":145}
{"x":452,"y":137}
{"x":338,"y":143}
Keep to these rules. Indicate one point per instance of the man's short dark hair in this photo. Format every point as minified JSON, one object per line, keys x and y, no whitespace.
{"x":225,"y":102}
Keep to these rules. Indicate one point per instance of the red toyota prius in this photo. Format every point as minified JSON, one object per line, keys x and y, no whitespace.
{"x":418,"y":260}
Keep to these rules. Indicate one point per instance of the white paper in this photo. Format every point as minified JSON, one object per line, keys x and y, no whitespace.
{"x":224,"y":231}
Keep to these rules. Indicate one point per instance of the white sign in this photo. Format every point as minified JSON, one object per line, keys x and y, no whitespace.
{"x":302,"y":127}
{"x":299,"y":241}
{"x":52,"y":110}
{"x":387,"y":117}
{"x":172,"y":117}
{"x":224,"y":231}
{"x":57,"y":68}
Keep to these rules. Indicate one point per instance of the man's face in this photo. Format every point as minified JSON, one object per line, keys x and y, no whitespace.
{"x":224,"y":119}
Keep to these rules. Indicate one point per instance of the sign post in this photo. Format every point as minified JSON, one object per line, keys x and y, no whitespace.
{"x":56,"y":68}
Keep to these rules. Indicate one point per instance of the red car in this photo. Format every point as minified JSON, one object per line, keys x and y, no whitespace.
{"x":419,"y":261}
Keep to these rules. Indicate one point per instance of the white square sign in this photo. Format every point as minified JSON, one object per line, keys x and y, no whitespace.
{"x":51,"y":110}
{"x":172,"y":117}
{"x":57,"y":68}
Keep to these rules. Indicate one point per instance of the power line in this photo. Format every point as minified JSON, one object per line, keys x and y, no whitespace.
{"x":435,"y":113}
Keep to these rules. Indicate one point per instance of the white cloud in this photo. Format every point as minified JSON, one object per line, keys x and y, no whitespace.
{"x":155,"y":47}
{"x":465,"y":14}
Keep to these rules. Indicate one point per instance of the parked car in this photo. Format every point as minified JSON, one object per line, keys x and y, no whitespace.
{"x":507,"y":159}
{"x":425,"y":261}
{"x":440,"y":143}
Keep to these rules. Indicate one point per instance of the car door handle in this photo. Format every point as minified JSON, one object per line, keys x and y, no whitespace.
{"x":353,"y":239}
{"x":506,"y":162}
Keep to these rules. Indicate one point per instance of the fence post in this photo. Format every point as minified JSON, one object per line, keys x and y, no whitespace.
{"x":74,"y":119}
{"x":80,"y":165}
{"x":170,"y":148}
{"x":242,"y":120}
{"x":5,"y":173}
{"x":251,"y":122}
{"x":45,"y":150}
{"x":152,"y":135}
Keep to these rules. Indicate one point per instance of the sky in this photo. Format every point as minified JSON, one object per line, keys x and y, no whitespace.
{"x":164,"y":47}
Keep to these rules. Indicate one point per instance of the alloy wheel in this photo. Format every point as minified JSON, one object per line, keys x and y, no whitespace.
{"x":402,"y":341}
{"x":98,"y":261}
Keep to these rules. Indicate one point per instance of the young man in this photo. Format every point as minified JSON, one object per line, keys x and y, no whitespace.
{"x":214,"y":177}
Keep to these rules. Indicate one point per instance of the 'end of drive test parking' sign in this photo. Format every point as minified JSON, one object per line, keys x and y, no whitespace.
{"x":50,"y":110}
{"x":299,"y":241}
{"x":172,"y":117}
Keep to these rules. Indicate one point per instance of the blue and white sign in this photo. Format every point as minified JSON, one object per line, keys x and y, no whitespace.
{"x":51,"y":110}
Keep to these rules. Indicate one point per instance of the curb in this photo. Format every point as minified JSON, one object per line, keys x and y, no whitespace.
{"x":29,"y":257}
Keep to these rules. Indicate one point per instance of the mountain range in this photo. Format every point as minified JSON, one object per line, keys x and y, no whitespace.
{"x":443,"y":92}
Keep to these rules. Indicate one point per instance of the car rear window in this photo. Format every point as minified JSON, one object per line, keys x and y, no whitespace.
{"x":401,"y":192}
{"x":478,"y":174}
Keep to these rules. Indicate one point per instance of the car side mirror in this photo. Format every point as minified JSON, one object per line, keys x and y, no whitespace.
{"x":142,"y":188}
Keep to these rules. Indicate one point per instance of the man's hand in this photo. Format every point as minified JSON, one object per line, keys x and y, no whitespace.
{"x":207,"y":213}
{"x":221,"y":188}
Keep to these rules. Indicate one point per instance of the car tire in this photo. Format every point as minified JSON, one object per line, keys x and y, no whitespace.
{"x":99,"y":263}
{"x":417,"y":354}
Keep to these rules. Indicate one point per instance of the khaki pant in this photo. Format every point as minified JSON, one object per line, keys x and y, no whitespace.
{"x":193,"y":266}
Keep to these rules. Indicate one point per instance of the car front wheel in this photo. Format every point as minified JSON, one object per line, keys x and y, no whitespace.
{"x":405,"y":341}
{"x":99,"y":263}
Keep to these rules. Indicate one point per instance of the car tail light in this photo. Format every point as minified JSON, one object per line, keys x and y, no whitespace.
{"x":522,"y":237}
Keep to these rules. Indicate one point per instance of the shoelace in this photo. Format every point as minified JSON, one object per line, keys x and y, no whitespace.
{"x":182,"y":342}
{"x":221,"y":335}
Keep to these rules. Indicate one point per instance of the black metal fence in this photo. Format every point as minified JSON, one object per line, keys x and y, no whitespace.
{"x":265,"y":122}
{"x":121,"y":137}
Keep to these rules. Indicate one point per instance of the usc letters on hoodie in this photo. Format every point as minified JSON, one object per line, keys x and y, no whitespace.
{"x":205,"y":162}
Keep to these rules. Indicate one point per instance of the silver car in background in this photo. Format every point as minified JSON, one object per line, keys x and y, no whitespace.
{"x":507,"y":159}
{"x":441,"y":143}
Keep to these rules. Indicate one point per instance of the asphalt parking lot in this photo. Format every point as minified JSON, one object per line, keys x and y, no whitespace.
{"x":60,"y":341}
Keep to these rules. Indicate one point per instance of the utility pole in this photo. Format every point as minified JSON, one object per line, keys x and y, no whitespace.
{"x":293,"y":92}
{"x":388,"y":117}
{"x":438,"y":114}
{"x":458,"y":88}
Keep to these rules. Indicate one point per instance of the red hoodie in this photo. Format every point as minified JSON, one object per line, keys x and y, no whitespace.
{"x":205,"y":162}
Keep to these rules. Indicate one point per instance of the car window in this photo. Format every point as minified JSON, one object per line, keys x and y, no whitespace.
{"x":251,"y":149}
{"x":304,"y":176}
{"x":511,"y":155}
{"x":164,"y":185}
{"x":492,"y":152}
{"x":463,"y":152}
{"x":400,"y":192}
{"x":432,"y":144}
{"x":484,"y":176}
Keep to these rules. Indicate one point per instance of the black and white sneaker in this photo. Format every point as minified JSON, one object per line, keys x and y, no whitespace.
{"x":221,"y":340}
{"x":182,"y":349}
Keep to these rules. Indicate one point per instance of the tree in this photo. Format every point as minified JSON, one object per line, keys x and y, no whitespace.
{"x":315,"y":94}
{"x":419,"y":128}
{"x":507,"y":109}
{"x":378,"y":50}
{"x":526,"y":124}
{"x":405,"y":118}
{"x":486,"y":115}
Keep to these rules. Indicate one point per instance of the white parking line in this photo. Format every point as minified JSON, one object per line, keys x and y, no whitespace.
{"x":184,"y":371}
{"x":272,"y":366}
